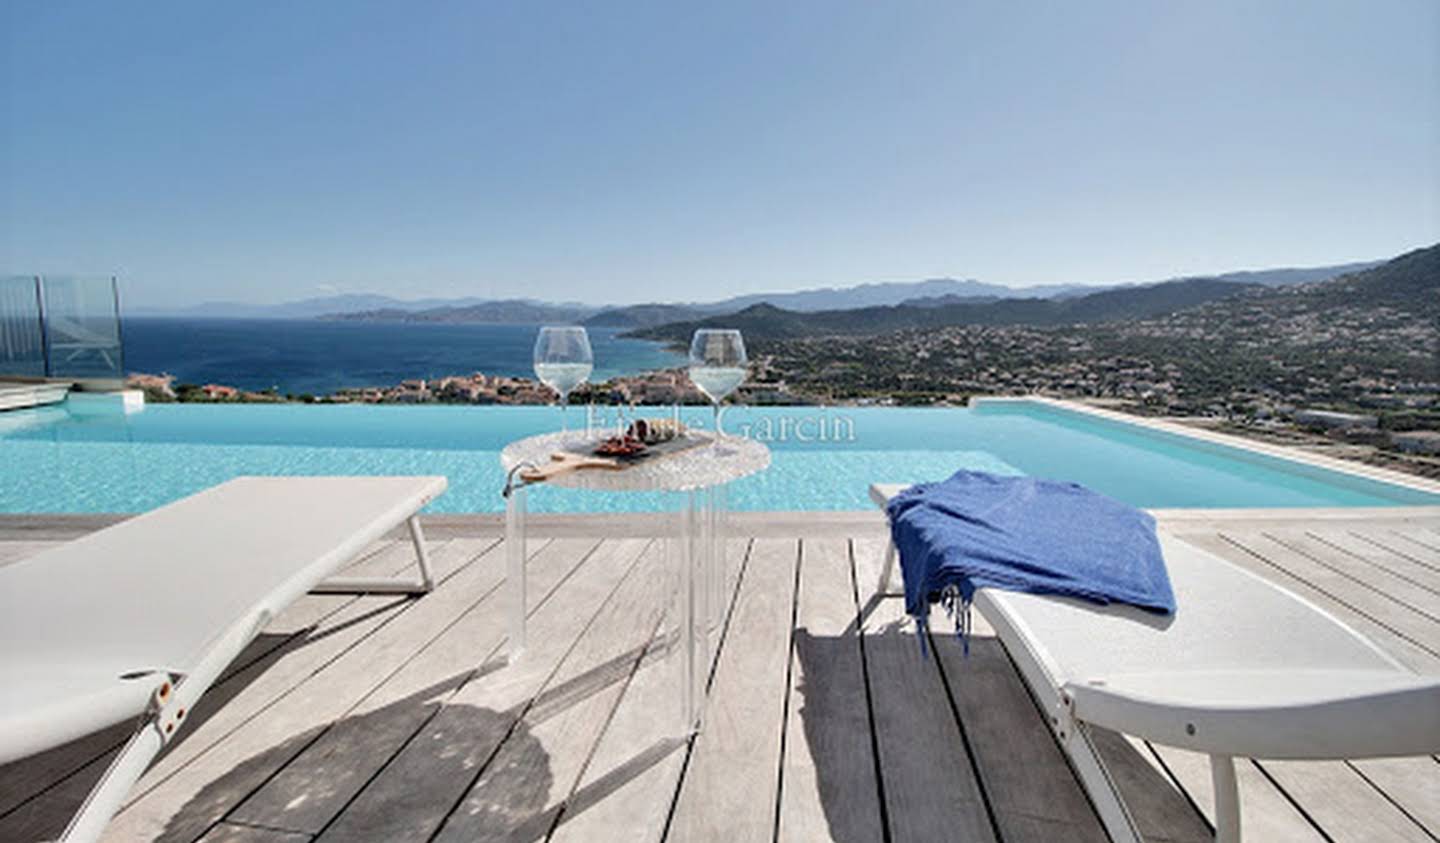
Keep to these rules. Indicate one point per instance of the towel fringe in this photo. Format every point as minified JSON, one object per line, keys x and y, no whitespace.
{"x":922,"y":632}
{"x":957,"y":606}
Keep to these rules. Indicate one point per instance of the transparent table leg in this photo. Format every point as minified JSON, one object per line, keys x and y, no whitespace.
{"x":694,"y":549}
{"x":682,"y":562}
{"x":515,"y":569}
{"x":716,"y":563}
{"x":701,"y":564}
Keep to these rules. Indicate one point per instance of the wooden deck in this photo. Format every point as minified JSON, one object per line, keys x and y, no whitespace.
{"x":383,"y":719}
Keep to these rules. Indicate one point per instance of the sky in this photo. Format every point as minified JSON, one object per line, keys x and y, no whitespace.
{"x":614,"y":152}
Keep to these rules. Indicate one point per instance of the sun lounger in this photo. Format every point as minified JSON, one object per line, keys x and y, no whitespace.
{"x":140,"y":618}
{"x":1243,"y":669}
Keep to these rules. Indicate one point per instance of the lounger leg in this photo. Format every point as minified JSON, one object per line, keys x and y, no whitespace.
{"x":170,"y":703}
{"x":422,"y":557}
{"x":109,"y":792}
{"x":887,"y":570}
{"x":1074,"y":736}
{"x":1227,"y":799}
{"x":1099,"y":786}
{"x":388,"y":585}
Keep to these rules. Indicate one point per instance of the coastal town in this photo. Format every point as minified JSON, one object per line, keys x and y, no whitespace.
{"x":1350,"y":366}
{"x":1383,"y":418}
{"x":666,"y":386}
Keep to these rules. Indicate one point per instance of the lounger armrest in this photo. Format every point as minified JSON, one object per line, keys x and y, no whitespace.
{"x":1280,"y":714}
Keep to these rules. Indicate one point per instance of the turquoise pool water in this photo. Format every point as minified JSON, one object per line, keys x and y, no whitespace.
{"x":56,"y":461}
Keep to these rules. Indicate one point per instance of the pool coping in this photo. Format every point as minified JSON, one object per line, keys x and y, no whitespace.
{"x":1228,"y":440}
{"x":45,"y":527}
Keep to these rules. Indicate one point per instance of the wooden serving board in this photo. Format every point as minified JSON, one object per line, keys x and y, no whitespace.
{"x":581,"y":456}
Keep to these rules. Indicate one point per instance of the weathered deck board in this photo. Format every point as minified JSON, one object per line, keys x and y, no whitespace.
{"x":1341,"y":802}
{"x":1162,"y":810}
{"x":420,"y":786}
{"x":348,"y":716}
{"x":1397,"y":561}
{"x":1265,"y":813}
{"x":829,"y":790}
{"x":919,"y":738}
{"x":730,"y":788}
{"x":1384,"y":581}
{"x":350,"y":752}
{"x":1032,"y":790}
{"x":629,"y":787}
{"x":227,"y":832}
{"x":1422,"y":547}
{"x":1412,"y":783}
{"x":519,"y":797}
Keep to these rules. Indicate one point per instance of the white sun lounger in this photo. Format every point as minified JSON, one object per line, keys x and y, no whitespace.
{"x":140,"y":618}
{"x":1243,"y":669}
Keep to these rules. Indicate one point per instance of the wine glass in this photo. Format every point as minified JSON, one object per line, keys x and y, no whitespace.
{"x":717,"y":366}
{"x":563,"y":361}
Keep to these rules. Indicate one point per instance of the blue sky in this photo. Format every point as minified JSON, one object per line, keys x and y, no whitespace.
{"x":615,"y":151}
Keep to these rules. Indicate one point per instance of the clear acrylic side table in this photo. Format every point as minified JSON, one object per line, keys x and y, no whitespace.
{"x":693,"y":483}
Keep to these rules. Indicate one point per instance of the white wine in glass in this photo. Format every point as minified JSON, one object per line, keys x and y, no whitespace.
{"x":563,"y":361}
{"x":717,"y":365}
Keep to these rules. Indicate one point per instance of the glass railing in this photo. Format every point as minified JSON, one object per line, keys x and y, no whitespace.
{"x":22,"y":339}
{"x":65,"y":327}
{"x":82,"y":322}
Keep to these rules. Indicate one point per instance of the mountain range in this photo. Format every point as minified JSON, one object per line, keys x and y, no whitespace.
{"x":767,"y":322}
{"x":1409,"y":283}
{"x":504,"y":312}
{"x":929,"y":292}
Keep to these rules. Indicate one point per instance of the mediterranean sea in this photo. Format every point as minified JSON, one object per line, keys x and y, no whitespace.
{"x":312,"y":356}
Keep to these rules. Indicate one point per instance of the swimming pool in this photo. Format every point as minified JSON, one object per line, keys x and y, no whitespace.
{"x":56,"y":460}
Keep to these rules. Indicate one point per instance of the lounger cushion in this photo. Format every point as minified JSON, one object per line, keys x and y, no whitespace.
{"x":156,"y":592}
{"x":43,"y":706}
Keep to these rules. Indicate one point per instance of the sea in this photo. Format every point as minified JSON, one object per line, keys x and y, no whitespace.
{"x":318,"y":357}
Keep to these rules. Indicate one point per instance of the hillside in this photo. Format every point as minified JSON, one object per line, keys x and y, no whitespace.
{"x":1407,"y":287}
{"x":1291,"y":276}
{"x":890,"y":293}
{"x":1365,"y":342}
{"x":764,"y":322}
{"x":949,"y":290}
{"x":1411,"y":280}
{"x":643,"y":315}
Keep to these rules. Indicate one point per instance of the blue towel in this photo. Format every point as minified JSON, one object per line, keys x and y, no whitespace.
{"x":978,"y":530}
